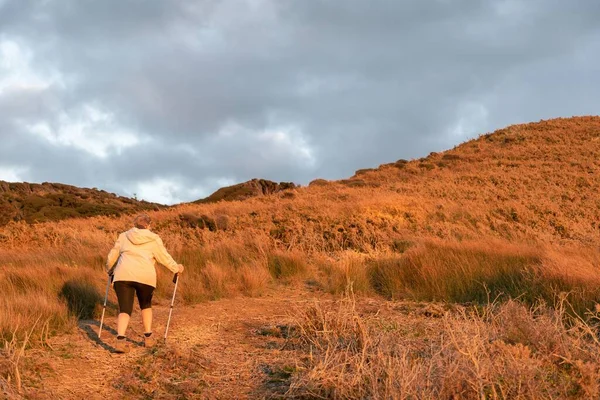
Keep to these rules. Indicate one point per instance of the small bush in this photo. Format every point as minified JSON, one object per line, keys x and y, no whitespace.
{"x":353,"y":182}
{"x":450,"y":157}
{"x":400,"y":163}
{"x":81,"y":298}
{"x":202,"y":222}
{"x":364,"y":171}
{"x":400,"y":246}
{"x":222,"y":222}
{"x":319,"y":182}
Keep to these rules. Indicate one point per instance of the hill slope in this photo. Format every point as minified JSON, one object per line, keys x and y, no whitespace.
{"x":525,"y":183}
{"x":540,"y":177}
{"x":528,"y":182}
{"x":537,"y":180}
{"x":32,"y":202}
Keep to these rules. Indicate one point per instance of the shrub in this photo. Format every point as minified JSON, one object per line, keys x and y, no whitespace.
{"x":202,"y":222}
{"x":400,"y":245}
{"x":222,"y":222}
{"x":318,"y":182}
{"x":364,"y":171}
{"x":450,"y":157}
{"x":81,"y":298}
{"x":353,"y":182}
{"x":400,"y":163}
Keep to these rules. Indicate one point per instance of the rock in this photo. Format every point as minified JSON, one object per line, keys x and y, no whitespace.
{"x":249,"y":189}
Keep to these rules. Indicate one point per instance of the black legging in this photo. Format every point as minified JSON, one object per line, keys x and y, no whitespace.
{"x":125,"y":291}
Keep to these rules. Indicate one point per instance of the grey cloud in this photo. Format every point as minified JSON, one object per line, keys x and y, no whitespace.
{"x":361,"y":83}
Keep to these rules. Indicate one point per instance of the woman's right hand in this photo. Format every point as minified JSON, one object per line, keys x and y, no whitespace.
{"x":180,"y":268}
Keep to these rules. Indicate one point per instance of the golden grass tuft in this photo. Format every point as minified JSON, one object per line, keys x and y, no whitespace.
{"x":254,"y":279}
{"x":287,"y":265}
{"x":348,"y":271}
{"x":480,"y":272}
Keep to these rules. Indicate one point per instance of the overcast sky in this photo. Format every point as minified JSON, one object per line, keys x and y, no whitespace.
{"x":171,"y":100}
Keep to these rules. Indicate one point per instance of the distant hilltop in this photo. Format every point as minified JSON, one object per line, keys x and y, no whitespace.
{"x":242,"y":191}
{"x":34,"y":202}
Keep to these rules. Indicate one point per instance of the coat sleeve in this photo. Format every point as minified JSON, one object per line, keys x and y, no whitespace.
{"x":113,"y":255}
{"x":163,"y":257}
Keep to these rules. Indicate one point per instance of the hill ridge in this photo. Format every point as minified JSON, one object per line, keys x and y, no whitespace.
{"x":569,"y":145}
{"x":42,"y":202}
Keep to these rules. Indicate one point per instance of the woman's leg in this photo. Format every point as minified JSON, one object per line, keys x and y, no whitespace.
{"x":122,"y":323}
{"x":144,"y":295}
{"x":125,"y":294}
{"x":147,"y":319}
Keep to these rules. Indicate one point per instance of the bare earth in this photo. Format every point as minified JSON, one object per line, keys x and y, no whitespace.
{"x":229,"y":339}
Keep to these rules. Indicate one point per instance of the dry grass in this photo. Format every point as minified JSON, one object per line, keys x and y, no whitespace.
{"x":505,"y":351}
{"x":476,"y":272}
{"x":349,"y":270}
{"x":287,"y":265}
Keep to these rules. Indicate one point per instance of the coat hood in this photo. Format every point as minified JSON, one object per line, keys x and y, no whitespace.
{"x":140,"y":236}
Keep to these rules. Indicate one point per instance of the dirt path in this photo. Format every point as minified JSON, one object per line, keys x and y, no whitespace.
{"x":230,"y":340}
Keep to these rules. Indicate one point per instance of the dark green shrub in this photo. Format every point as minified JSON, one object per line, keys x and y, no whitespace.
{"x":81,"y":298}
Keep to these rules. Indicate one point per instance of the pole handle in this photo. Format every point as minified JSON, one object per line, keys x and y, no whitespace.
{"x":175,"y":277}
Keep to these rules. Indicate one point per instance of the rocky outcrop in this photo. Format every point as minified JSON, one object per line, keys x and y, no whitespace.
{"x":251,"y":188}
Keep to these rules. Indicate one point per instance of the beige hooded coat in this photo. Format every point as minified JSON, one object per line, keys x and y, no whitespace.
{"x":135,"y":254}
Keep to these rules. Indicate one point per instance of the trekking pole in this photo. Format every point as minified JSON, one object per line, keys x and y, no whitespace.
{"x":175,"y":281}
{"x":104,"y":307}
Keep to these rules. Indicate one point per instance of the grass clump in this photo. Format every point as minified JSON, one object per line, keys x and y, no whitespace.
{"x":286,"y":265}
{"x":42,"y":301}
{"x":476,"y":273}
{"x":347,"y":272}
{"x":254,"y":279}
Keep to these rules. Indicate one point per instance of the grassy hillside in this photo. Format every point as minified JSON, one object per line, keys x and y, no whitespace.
{"x":511,"y":214}
{"x":536,"y":180}
{"x":32,"y":202}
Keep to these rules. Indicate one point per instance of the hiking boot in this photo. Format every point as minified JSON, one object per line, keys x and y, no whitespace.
{"x":149,"y":341}
{"x":122,"y":346}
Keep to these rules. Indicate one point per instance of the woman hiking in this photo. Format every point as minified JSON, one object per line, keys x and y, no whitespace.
{"x":132,"y":263}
